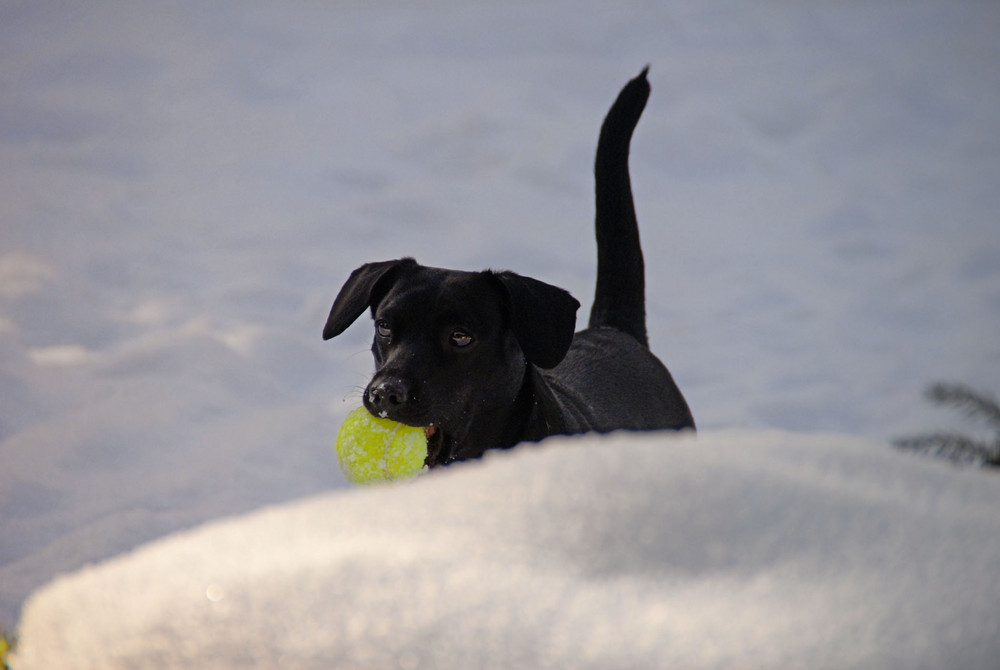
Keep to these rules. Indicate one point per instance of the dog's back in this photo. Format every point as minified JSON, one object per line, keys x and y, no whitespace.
{"x":609,"y":381}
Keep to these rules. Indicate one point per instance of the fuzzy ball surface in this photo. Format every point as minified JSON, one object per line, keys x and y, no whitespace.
{"x":371,"y":449}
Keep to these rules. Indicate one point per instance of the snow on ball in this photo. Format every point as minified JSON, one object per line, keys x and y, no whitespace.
{"x":372,"y":449}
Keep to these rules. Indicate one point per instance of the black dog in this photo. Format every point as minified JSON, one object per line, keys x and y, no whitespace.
{"x":489,"y":359}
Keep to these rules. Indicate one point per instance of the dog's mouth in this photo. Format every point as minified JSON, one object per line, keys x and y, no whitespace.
{"x":438,"y":447}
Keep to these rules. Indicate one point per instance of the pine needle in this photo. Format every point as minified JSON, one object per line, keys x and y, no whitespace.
{"x":955,"y":447}
{"x":975,"y":404}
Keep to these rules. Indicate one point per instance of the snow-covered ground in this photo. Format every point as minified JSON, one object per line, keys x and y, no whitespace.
{"x":186,"y":185}
{"x":772,"y":550}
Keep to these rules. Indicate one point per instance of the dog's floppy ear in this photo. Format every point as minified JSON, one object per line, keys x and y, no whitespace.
{"x":542,"y":317}
{"x":364,"y":288}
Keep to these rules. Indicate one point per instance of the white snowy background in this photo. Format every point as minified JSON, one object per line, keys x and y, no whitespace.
{"x":186,"y":185}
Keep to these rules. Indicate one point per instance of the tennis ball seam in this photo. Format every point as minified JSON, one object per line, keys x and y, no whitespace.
{"x":385,"y":451}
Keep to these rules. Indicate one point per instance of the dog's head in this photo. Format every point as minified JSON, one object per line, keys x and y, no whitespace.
{"x":452,"y":348}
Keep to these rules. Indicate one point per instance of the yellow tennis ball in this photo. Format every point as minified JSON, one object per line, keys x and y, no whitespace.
{"x":372,"y":449}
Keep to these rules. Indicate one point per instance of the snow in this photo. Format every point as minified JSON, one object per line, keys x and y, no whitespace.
{"x":186,"y":185}
{"x":732,"y":549}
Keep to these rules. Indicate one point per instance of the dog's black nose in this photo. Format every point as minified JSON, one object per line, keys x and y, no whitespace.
{"x":388,"y":394}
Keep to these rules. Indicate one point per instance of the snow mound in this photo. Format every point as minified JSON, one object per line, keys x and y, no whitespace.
{"x":722,"y":550}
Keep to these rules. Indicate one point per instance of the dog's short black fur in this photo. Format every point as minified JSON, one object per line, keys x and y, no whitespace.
{"x":489,"y":359}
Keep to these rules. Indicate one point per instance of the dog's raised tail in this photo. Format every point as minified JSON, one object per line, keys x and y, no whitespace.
{"x":620,"y":296}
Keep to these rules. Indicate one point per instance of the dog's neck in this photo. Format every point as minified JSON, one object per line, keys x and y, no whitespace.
{"x":542,"y":415}
{"x":531,"y":416}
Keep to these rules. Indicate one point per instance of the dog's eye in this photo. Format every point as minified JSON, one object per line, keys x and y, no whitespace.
{"x":382,"y":329}
{"x":460,"y":339}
